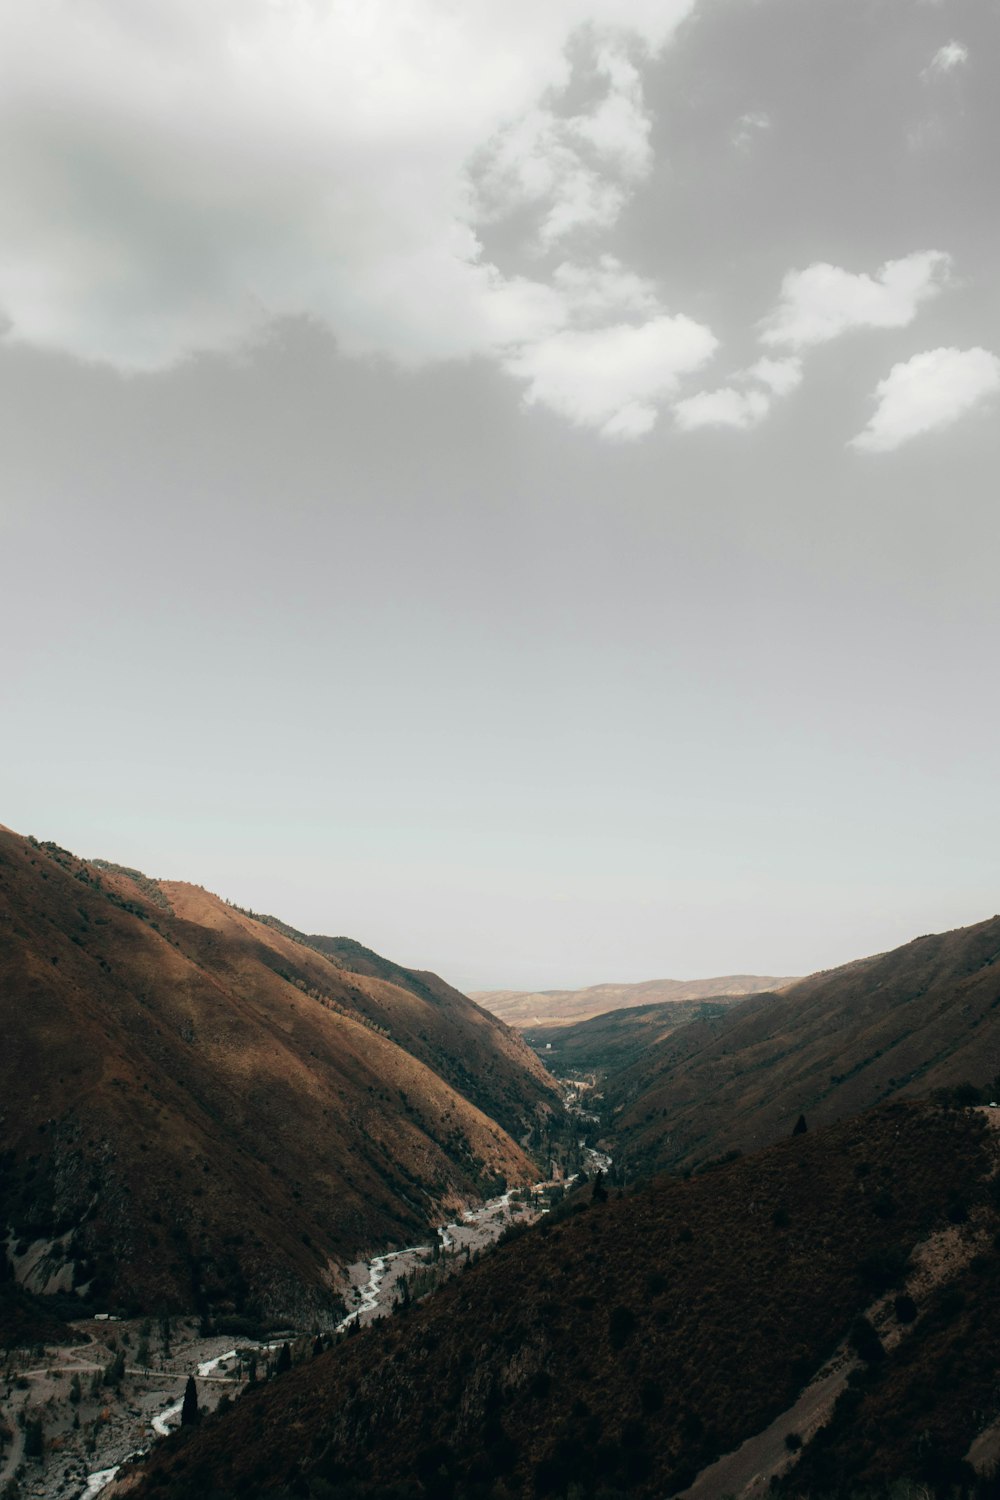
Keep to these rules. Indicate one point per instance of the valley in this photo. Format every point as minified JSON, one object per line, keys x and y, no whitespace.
{"x":729,"y":1243}
{"x":87,"y":1439}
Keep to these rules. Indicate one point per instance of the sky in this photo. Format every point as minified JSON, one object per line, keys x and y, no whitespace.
{"x":517,"y":484}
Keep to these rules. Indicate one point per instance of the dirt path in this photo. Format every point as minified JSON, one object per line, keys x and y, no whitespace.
{"x":746,"y":1473}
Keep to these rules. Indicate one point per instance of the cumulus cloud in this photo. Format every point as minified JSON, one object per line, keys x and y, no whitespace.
{"x":741,"y":406}
{"x":613,"y":378}
{"x":726,"y":407}
{"x":926,"y":393}
{"x":946,"y":59}
{"x":179,"y":175}
{"x":748,"y":127}
{"x":823,"y":301}
{"x":780,"y":376}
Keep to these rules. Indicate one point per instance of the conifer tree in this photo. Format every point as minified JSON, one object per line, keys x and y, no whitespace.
{"x":189,"y":1406}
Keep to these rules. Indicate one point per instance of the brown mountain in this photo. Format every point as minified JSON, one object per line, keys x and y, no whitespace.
{"x":528,"y":1009}
{"x":621,"y":1349}
{"x":924,"y":1016}
{"x":202,"y":1108}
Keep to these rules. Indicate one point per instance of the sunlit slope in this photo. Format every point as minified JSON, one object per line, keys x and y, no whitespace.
{"x":200,"y":1110}
{"x":528,"y":1009}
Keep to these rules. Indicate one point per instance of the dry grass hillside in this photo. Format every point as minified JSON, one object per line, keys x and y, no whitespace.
{"x":900,"y":1024}
{"x":621,"y":1348}
{"x":198,"y":1109}
{"x":528,"y":1009}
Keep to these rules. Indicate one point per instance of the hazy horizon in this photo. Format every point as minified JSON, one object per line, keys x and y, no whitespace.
{"x":517,"y":488}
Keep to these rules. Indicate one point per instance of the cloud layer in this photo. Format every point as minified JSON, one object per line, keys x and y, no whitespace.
{"x":178,"y":176}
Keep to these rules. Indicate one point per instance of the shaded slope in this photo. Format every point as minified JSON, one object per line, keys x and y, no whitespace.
{"x":926,"y":1015}
{"x":611,"y":1042}
{"x":197,"y":1109}
{"x":532,"y":1008}
{"x":614,"y":1352}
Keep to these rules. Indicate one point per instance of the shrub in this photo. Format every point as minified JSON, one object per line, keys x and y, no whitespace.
{"x":621,"y":1326}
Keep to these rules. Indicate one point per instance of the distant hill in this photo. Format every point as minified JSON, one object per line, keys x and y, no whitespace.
{"x":610,"y":1042}
{"x":534,"y":1008}
{"x":205,"y":1109}
{"x":621,"y":1349}
{"x":900,"y":1024}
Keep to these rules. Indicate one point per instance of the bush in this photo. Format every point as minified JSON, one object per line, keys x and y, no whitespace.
{"x":905,"y":1308}
{"x":866,"y":1342}
{"x":621,"y":1326}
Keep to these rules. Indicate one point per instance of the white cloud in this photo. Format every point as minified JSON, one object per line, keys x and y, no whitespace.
{"x":177,"y":175}
{"x":731,"y":406}
{"x":928,"y":392}
{"x":952,"y":55}
{"x":748,"y":127}
{"x":823,"y":301}
{"x":780,"y":376}
{"x":726,"y":407}
{"x":613,"y":378}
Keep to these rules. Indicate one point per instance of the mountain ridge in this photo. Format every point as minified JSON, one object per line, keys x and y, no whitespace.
{"x":202,"y":1111}
{"x":902,"y":1023}
{"x":530,"y":1008}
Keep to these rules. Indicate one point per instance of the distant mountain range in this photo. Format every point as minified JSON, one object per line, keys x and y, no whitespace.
{"x":528,"y":1009}
{"x":203,"y":1108}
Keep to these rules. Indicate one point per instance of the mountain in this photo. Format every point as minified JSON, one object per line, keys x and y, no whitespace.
{"x":900,"y":1024}
{"x":202,"y":1108}
{"x":621,"y":1349}
{"x":527,"y":1009}
{"x":614,"y":1040}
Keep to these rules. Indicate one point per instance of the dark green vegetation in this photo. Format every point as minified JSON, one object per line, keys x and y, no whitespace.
{"x":26,"y":1319}
{"x":902,"y":1024}
{"x":205,"y":1111}
{"x":618,"y":1348}
{"x":611,"y":1042}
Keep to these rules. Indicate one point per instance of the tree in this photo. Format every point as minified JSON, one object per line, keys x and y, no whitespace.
{"x":189,"y":1406}
{"x":317,"y":1346}
{"x":800,"y":1126}
{"x":33,"y":1439}
{"x":75,"y":1392}
{"x":284,"y":1359}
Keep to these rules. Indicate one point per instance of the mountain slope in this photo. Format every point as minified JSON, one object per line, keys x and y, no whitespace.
{"x":924,"y":1016}
{"x":198,"y":1109}
{"x":619,"y":1350}
{"x":528,"y":1009}
{"x":612,"y":1041}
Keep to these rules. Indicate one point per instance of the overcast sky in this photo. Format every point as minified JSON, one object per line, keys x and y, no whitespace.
{"x":513,"y":483}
